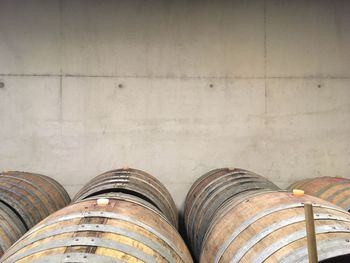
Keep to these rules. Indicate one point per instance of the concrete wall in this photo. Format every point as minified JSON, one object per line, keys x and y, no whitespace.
{"x":175,"y":88}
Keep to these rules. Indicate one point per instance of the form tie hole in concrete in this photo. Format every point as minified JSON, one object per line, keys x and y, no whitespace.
{"x":211,"y":85}
{"x":319,"y":86}
{"x":120,"y":85}
{"x":2,"y":84}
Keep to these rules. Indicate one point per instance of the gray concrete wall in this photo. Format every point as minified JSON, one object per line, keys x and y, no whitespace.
{"x":175,"y":88}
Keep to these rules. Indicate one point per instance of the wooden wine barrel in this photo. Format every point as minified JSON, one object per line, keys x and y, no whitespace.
{"x":31,"y":196}
{"x":333,"y":189}
{"x":11,"y":228}
{"x":124,"y":229}
{"x":134,"y":182}
{"x":270,"y":227}
{"x":210,"y":192}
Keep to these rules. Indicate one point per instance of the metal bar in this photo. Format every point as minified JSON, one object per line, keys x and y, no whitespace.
{"x":83,"y":241}
{"x":77,"y":257}
{"x":310,"y":232}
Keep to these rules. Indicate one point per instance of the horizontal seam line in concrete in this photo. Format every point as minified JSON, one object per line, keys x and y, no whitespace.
{"x":171,"y":77}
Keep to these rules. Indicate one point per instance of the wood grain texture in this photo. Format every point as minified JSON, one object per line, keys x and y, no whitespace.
{"x":332,"y":189}
{"x":135,"y":182}
{"x":11,"y":228}
{"x":212,"y":191}
{"x":125,"y":230}
{"x":31,"y":196}
{"x":272,"y":229}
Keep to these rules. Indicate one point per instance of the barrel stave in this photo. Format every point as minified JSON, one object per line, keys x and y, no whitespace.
{"x":31,"y":196}
{"x":275,"y":216}
{"x":212,"y":191}
{"x":11,"y":228}
{"x":332,"y":189}
{"x":119,"y":231}
{"x":133,"y":182}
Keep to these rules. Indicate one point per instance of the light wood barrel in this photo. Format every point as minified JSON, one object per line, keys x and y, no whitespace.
{"x":333,"y":189}
{"x":31,"y":196}
{"x":134,"y":182}
{"x":11,"y":228}
{"x":270,"y":227}
{"x":126,"y":229}
{"x":210,"y":192}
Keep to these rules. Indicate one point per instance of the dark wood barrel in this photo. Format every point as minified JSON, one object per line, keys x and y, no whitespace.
{"x":270,"y":227}
{"x":210,"y":192}
{"x":124,"y":229}
{"x":11,"y":228}
{"x":31,"y":196}
{"x":134,"y":182}
{"x":333,"y":189}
